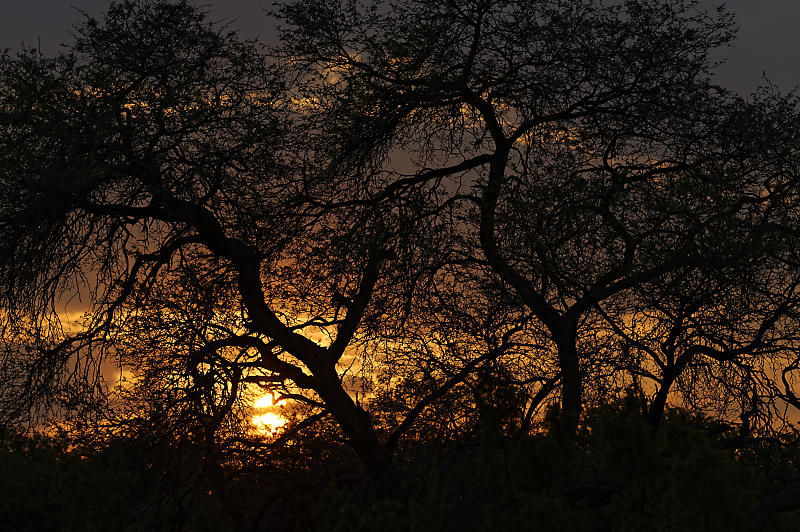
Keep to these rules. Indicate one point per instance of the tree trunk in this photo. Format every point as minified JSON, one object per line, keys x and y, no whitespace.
{"x":571,"y":385}
{"x":655,"y":412}
{"x":358,"y":428}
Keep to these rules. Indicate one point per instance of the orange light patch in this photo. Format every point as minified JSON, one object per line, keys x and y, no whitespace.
{"x":267,"y":423}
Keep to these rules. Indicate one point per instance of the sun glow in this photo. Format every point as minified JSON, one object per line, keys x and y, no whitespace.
{"x":268,"y":422}
{"x":265,"y":401}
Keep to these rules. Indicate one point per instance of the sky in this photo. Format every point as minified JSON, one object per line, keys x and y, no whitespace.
{"x":769,"y":40}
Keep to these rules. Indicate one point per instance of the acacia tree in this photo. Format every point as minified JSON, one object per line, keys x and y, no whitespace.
{"x":169,"y":184}
{"x":722,"y":330}
{"x":150,"y":174}
{"x":583,"y":146}
{"x":715,"y":343}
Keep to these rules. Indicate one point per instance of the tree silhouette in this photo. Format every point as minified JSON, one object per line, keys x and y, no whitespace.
{"x":148,"y":172}
{"x":416,"y":220}
{"x":588,"y":152}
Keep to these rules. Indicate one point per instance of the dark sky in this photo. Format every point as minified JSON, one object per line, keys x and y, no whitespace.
{"x":769,"y":39}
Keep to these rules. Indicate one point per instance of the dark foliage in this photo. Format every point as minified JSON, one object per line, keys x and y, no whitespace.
{"x":622,"y":476}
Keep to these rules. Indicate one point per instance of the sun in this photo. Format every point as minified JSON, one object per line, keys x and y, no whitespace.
{"x":265,"y":401}
{"x":268,"y":422}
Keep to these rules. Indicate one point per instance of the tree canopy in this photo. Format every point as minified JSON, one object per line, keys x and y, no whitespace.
{"x":414,"y":220}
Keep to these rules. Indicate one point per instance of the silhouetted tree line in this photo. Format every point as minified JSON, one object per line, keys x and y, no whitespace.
{"x":421,"y":225}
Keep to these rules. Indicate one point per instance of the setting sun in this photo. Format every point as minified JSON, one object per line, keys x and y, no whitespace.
{"x":265,"y":401}
{"x":268,"y":422}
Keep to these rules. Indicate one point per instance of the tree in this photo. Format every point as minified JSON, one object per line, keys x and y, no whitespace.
{"x":166,"y":181}
{"x":722,"y":331}
{"x":465,"y":198}
{"x":149,"y":173}
{"x":583,"y":146}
